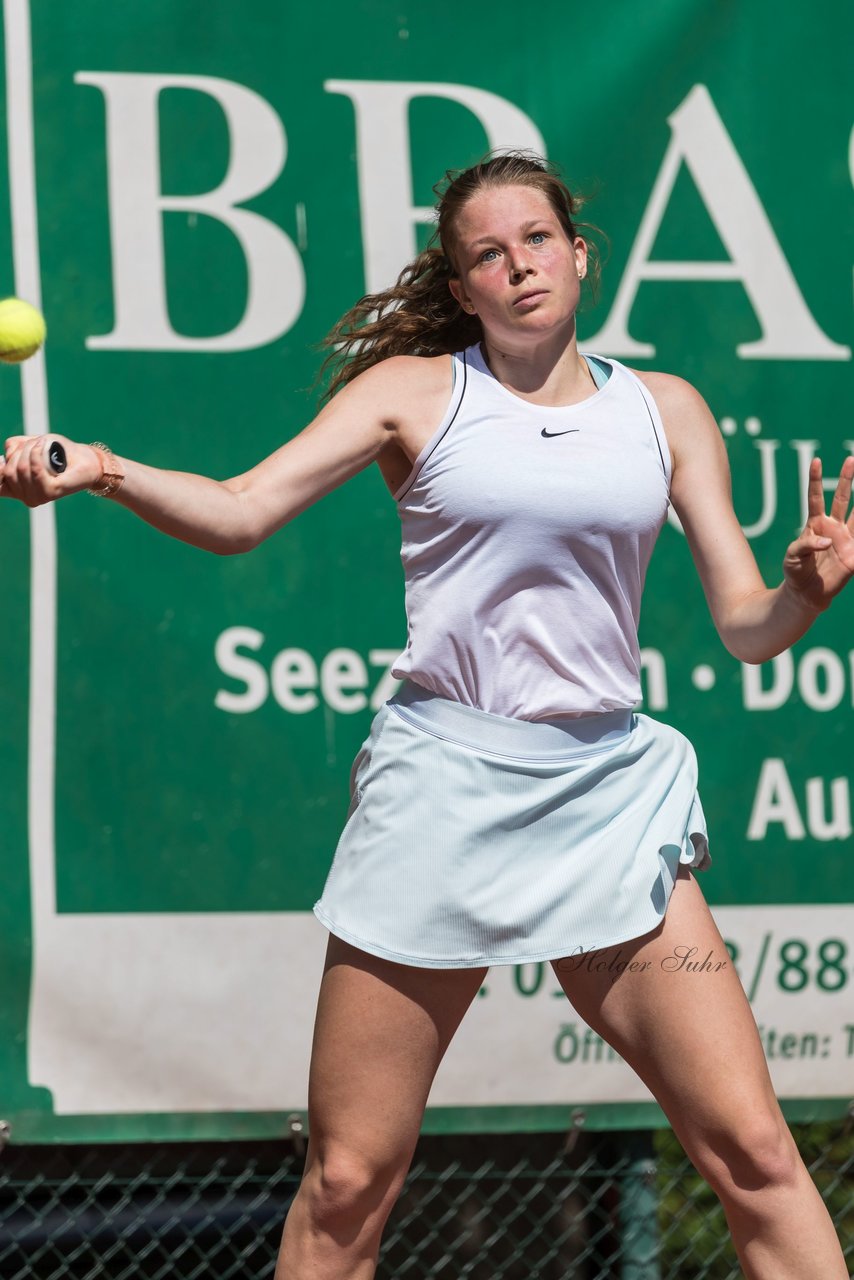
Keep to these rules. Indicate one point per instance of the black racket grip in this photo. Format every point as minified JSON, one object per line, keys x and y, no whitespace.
{"x":56,"y":458}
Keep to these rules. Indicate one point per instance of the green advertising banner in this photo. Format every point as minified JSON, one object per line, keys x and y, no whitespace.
{"x":194,"y":197}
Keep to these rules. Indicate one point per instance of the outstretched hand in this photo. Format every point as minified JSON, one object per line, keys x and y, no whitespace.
{"x":820,"y":561}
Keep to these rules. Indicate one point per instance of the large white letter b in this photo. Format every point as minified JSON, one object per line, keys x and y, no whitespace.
{"x":257,"y":148}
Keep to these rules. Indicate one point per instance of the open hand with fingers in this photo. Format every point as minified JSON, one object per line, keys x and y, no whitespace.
{"x":28,"y":472}
{"x":820,"y":561}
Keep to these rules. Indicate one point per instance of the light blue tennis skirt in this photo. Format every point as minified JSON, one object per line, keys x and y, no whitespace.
{"x":475,"y":839}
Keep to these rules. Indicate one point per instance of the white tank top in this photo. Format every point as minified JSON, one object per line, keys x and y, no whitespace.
{"x":526,"y":535}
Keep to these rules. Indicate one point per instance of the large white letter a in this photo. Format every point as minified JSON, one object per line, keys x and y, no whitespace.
{"x":700,"y":139}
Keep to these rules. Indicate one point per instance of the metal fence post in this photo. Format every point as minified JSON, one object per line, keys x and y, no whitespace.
{"x":638,"y":1211}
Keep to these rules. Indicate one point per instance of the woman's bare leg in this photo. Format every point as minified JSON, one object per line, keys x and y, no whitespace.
{"x":380,"y":1032}
{"x":692,"y":1039}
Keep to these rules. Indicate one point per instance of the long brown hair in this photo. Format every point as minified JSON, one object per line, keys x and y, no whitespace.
{"x":419,"y":316}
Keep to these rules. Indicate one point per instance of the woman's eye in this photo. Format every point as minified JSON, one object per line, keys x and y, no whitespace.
{"x":484,"y":257}
{"x":539,"y":237}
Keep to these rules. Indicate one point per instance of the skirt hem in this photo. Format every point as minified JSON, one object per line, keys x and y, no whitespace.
{"x":486,"y":962}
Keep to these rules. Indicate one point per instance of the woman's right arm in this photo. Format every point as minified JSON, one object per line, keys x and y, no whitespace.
{"x":235,"y":515}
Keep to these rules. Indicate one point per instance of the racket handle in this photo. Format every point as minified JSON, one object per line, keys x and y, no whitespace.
{"x":57,"y":460}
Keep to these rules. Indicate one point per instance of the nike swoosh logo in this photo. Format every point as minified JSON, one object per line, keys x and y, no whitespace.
{"x":558,"y":433}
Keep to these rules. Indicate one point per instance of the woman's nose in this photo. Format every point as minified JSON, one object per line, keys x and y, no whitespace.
{"x":519,"y":266}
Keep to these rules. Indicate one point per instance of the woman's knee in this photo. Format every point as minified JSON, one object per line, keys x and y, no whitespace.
{"x":343,"y":1186}
{"x":757,"y":1155}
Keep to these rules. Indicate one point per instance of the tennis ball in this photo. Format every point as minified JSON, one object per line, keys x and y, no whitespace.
{"x":22,"y":330}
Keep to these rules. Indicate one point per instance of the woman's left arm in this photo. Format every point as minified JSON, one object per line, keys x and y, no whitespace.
{"x":754,"y":622}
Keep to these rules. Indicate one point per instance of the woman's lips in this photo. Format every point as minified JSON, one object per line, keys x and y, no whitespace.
{"x":528,"y":299}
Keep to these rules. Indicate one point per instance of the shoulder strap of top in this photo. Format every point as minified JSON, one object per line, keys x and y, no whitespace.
{"x":459,"y":366}
{"x":654,"y":418}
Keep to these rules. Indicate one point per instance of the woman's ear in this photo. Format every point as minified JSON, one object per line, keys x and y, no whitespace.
{"x":456,"y":287}
{"x":580,"y":247}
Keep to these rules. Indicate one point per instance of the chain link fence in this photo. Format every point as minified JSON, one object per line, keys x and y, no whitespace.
{"x":518,"y":1206}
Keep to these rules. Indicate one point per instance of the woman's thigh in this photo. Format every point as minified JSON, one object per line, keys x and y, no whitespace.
{"x":380,"y":1032}
{"x":688,"y":1032}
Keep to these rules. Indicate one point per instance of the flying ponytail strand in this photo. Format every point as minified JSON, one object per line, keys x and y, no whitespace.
{"x":417,"y":316}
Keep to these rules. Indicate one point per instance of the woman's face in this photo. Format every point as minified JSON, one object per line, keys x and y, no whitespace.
{"x":518,"y":271}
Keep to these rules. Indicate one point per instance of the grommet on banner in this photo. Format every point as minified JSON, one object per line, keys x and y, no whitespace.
{"x":296,"y":1132}
{"x":578,"y":1117}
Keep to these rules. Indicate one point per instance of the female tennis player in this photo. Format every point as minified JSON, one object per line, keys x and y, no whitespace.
{"x":509,"y":805}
